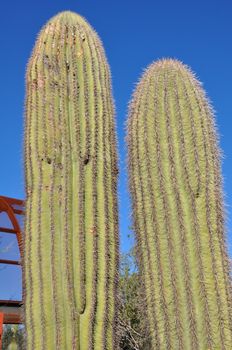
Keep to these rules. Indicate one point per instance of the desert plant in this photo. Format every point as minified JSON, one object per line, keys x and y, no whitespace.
{"x":71,"y":228}
{"x":176,"y":190}
{"x":13,"y":337}
{"x":132,"y":325}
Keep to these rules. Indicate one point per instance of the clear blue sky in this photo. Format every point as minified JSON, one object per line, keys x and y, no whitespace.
{"x":134,"y":33}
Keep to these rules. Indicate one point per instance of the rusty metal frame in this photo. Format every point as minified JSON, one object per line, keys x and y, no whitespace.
{"x":10,"y":310}
{"x":7,"y":205}
{"x":1,"y":328}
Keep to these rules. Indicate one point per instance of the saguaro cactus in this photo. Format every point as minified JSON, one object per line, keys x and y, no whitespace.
{"x":71,"y":228}
{"x":175,"y":183}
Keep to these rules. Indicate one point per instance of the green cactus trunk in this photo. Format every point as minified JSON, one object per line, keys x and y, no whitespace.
{"x":12,"y":346}
{"x":175,"y":183}
{"x":71,"y":227}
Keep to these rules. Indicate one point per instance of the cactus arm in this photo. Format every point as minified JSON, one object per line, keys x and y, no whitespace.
{"x":71,"y":260}
{"x":177,"y":206}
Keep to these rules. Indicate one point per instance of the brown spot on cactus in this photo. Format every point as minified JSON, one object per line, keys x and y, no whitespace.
{"x":175,"y":183}
{"x":70,"y":275}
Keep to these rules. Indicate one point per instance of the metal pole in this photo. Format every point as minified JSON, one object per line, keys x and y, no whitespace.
{"x":1,"y":329}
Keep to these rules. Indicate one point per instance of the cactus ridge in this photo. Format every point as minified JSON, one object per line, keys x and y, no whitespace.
{"x":175,"y":183}
{"x":71,"y":228}
{"x":155,"y":222}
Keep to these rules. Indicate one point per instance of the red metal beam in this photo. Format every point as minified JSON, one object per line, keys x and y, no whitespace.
{"x":1,"y":328}
{"x":18,"y":211}
{"x":13,"y":200}
{"x":6,"y":206}
{"x":12,"y":319}
{"x":12,"y":311}
{"x":7,"y":230}
{"x":11,"y":303}
{"x":9,"y":262}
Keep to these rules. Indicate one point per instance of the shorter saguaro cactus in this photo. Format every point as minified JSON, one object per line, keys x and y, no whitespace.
{"x":175,"y":183}
{"x":71,"y":228}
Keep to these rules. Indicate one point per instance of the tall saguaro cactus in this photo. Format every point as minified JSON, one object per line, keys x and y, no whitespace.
{"x":71,"y":228}
{"x":175,"y":183}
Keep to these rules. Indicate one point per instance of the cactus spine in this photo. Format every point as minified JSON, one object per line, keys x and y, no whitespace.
{"x":71,"y":228}
{"x":175,"y":183}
